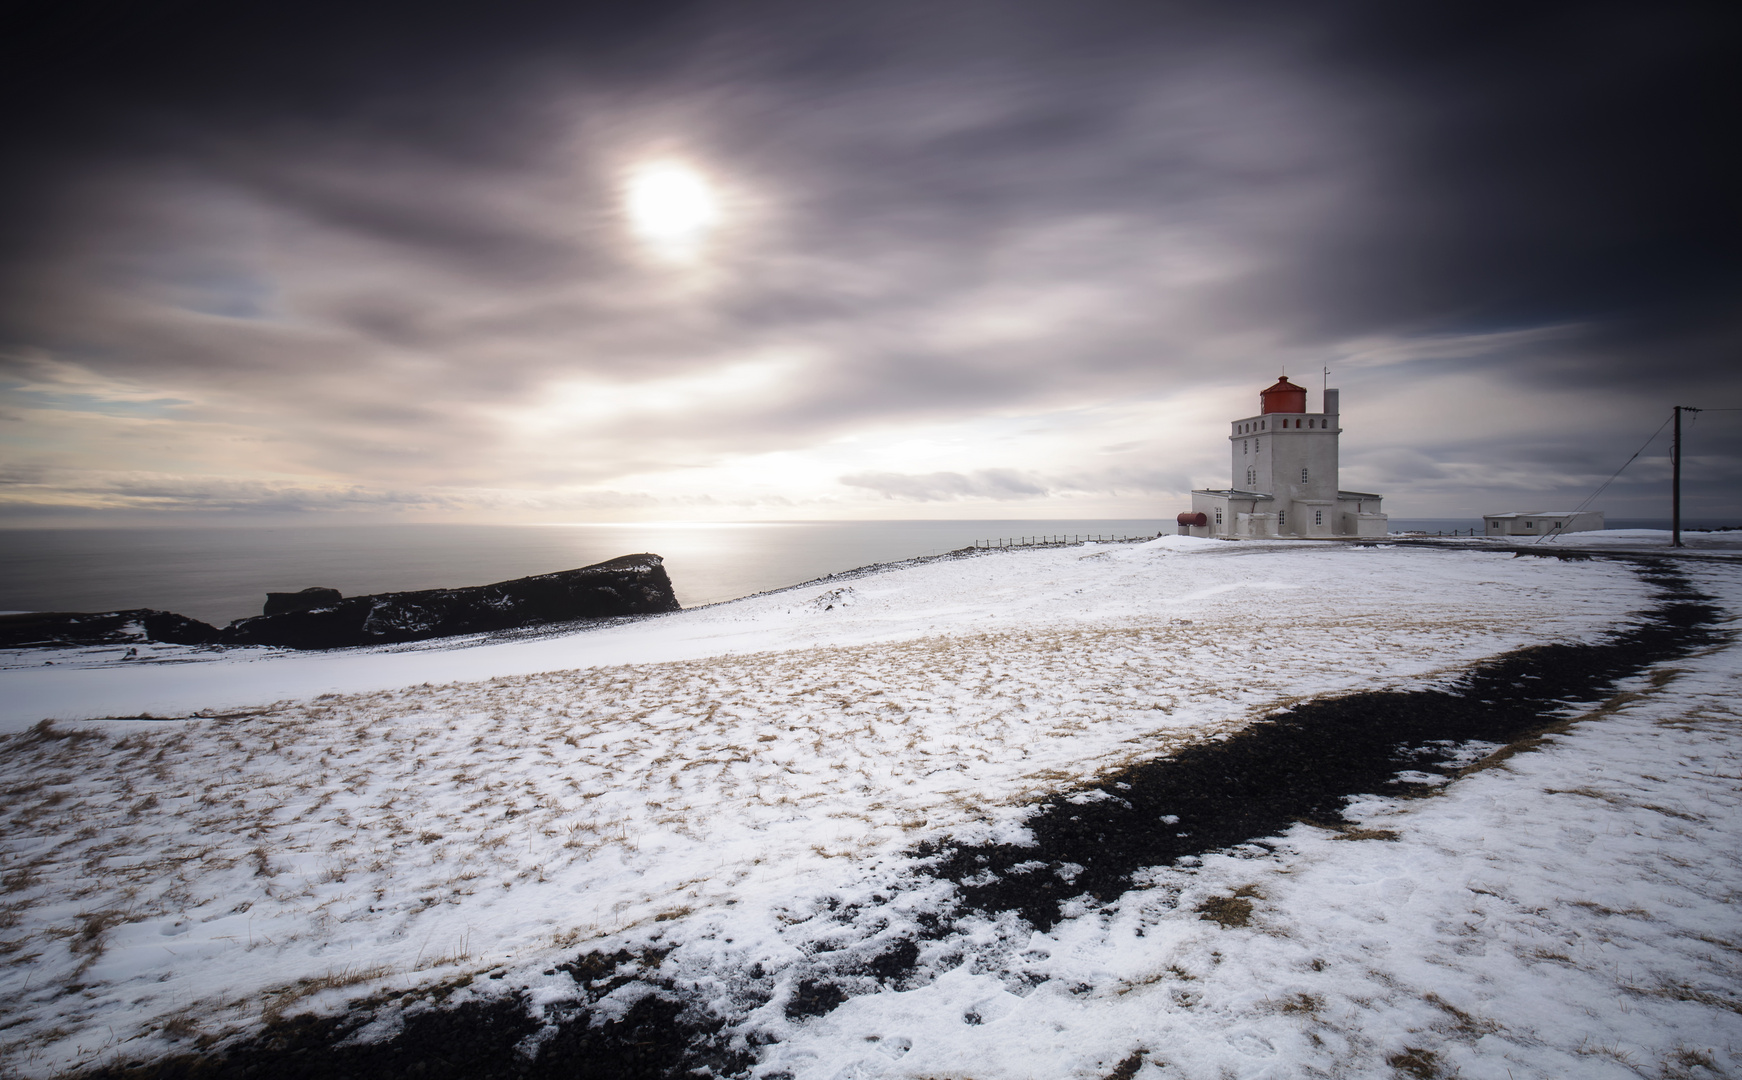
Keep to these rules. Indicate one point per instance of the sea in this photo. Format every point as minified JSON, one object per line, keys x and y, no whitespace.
{"x":218,"y":574}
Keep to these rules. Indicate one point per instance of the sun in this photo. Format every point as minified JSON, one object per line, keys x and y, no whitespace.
{"x":672,"y":207}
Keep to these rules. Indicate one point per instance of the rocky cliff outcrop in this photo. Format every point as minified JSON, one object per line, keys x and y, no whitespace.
{"x":67,"y":629}
{"x":320,"y":618}
{"x":277,"y":603}
{"x":630,"y":585}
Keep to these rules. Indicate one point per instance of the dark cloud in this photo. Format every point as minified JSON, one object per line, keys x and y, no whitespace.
{"x":384,"y":238}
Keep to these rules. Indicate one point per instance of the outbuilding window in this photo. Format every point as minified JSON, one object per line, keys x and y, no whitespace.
{"x":1218,"y":517}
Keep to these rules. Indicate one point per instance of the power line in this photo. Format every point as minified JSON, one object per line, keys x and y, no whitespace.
{"x":1605,"y":485}
{"x":1674,"y":413}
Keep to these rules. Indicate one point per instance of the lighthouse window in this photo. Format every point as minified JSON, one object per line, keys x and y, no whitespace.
{"x":1318,"y":517}
{"x":1282,"y":517}
{"x":1303,"y":476}
{"x":1243,"y":443}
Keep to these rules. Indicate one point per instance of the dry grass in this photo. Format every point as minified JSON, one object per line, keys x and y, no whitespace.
{"x":1229,"y":911}
{"x":279,"y":999}
{"x":1415,"y":1062}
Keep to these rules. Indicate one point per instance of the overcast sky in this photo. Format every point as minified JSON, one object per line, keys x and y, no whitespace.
{"x":664,"y":260}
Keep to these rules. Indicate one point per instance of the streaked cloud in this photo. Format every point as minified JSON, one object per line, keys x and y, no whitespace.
{"x":777,"y":260}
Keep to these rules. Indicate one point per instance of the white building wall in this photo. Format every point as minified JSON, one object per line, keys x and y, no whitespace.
{"x":1359,"y":513}
{"x":1224,"y":511}
{"x":1541,"y":523}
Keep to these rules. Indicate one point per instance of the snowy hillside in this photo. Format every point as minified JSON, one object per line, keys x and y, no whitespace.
{"x":310,"y":829}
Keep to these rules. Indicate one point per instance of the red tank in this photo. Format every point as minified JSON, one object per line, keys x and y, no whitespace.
{"x":1283,"y":397}
{"x":1191,"y":517}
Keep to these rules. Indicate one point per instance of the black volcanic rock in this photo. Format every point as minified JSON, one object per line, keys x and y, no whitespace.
{"x":277,"y":603}
{"x":62,"y":629}
{"x":629,"y":585}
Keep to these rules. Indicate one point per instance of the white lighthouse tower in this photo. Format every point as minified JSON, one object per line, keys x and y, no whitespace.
{"x":1284,"y":476}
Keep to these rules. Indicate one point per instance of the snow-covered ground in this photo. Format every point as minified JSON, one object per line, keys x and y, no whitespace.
{"x":342,"y":824}
{"x":1726,"y":543}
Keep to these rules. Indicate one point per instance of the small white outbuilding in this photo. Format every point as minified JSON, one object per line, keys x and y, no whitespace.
{"x":1541,"y":522}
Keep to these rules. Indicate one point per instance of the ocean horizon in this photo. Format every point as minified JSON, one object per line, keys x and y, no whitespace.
{"x":221,"y":573}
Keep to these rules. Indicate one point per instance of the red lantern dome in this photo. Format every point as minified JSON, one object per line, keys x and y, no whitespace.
{"x":1284,"y":397}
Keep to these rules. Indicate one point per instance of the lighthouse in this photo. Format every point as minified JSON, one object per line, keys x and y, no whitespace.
{"x":1284,"y":476}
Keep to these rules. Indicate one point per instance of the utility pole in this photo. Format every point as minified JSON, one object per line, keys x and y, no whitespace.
{"x":1675,"y":483}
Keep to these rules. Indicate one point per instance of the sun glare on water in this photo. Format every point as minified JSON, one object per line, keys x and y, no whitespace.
{"x":672,"y":208}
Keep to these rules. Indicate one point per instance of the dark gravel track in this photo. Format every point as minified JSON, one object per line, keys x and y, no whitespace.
{"x":1304,"y":763}
{"x":1301,"y":764}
